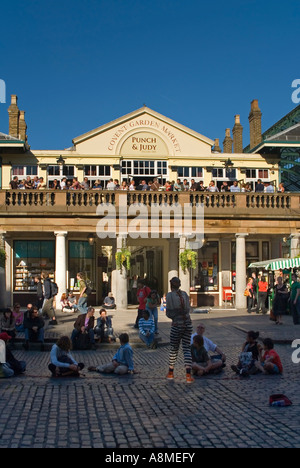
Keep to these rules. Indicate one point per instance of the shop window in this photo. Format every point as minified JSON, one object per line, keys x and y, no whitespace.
{"x":207,"y":277}
{"x":31,"y":258}
{"x":81,"y":259}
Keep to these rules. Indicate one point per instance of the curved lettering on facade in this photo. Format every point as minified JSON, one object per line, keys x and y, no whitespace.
{"x":144,"y":138}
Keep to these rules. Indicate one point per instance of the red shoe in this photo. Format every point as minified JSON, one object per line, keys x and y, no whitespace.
{"x":189,"y":378}
{"x":170,"y":375}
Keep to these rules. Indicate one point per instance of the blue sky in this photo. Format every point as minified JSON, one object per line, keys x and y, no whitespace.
{"x":76,"y":65}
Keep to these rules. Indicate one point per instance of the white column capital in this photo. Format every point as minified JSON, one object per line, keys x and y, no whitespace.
{"x":241,"y":234}
{"x":61,"y":233}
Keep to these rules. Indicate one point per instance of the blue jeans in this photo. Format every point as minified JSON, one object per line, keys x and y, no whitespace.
{"x":147,"y":339}
{"x":82,"y":305}
{"x":30,"y":335}
{"x":154,"y":315}
{"x":76,"y":333}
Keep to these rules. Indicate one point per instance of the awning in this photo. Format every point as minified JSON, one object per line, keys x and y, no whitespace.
{"x":277,"y":264}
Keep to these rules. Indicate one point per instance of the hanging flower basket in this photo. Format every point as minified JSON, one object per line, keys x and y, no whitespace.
{"x":188,"y":259}
{"x":123,"y":258}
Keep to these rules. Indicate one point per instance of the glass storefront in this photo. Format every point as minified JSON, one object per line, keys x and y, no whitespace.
{"x":81,"y":259}
{"x":206,"y":279}
{"x":30,"y":259}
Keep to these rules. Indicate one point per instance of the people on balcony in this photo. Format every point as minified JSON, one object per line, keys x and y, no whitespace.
{"x":152,"y":185}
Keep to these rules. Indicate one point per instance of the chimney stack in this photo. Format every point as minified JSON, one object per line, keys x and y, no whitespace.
{"x":14,"y":114}
{"x":255,"y":124}
{"x":22,"y":127}
{"x":216,"y":147}
{"x":227,"y":143}
{"x":237,"y":133}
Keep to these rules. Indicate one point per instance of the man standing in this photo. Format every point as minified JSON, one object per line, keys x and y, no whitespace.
{"x":142,"y":296}
{"x":82,"y":300}
{"x":49,"y":295}
{"x":178,"y":309}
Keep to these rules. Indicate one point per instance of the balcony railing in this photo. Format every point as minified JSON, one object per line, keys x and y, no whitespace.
{"x":26,"y":202}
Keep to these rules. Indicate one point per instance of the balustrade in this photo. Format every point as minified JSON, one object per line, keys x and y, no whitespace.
{"x":81,"y":201}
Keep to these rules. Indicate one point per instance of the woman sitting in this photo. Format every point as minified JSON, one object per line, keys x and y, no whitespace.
{"x":8,"y":324}
{"x":65,"y":305}
{"x":62,"y":362}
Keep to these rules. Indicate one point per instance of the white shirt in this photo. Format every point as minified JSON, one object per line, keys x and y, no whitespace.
{"x":110,"y":186}
{"x":208,"y":344}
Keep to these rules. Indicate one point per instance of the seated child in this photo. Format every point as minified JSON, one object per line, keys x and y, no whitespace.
{"x":122,"y":362}
{"x":201,"y":361}
{"x":248,"y":356}
{"x":270,"y":362}
{"x":62,"y":362}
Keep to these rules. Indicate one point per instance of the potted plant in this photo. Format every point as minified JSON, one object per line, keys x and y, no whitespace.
{"x":123,"y":258}
{"x":188,"y":259}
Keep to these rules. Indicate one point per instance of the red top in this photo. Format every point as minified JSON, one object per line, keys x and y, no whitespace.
{"x":142,"y":295}
{"x":276,"y":359}
{"x":263,"y":286}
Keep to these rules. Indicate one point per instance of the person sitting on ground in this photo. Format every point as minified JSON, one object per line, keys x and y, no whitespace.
{"x":19,"y":317}
{"x":83,"y":335}
{"x":147,"y":330}
{"x":34,"y":328}
{"x":201,"y":361}
{"x":109,"y":301}
{"x":72,"y":301}
{"x":9,"y":365}
{"x":104,"y":329}
{"x":62,"y":362}
{"x":65,"y":306}
{"x":209,"y":345}
{"x":8,"y":324}
{"x":122,"y":362}
{"x":269,"y":362}
{"x":248,"y":357}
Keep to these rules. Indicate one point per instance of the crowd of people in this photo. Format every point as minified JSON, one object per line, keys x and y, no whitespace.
{"x":285,"y":297}
{"x":201,"y":355}
{"x":38,"y":183}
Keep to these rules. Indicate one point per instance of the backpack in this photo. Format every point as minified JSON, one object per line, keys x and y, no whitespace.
{"x":88,"y":290}
{"x":54,"y":289}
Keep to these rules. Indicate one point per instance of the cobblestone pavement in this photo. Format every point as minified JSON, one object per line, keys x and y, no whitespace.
{"x":146,"y":410}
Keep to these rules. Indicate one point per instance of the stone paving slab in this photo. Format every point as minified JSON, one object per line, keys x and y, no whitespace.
{"x":146,"y":410}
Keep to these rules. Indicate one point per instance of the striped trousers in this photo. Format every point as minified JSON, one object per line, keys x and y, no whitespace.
{"x":181,"y":333}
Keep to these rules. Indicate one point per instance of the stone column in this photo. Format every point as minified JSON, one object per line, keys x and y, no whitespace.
{"x":60,"y":264}
{"x":173,"y":259}
{"x":295,"y":247}
{"x":241,"y":273}
{"x":3,"y":289}
{"x":121,"y":279}
{"x":184,"y":276}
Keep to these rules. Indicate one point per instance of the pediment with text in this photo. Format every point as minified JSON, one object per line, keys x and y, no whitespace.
{"x":143,"y":133}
